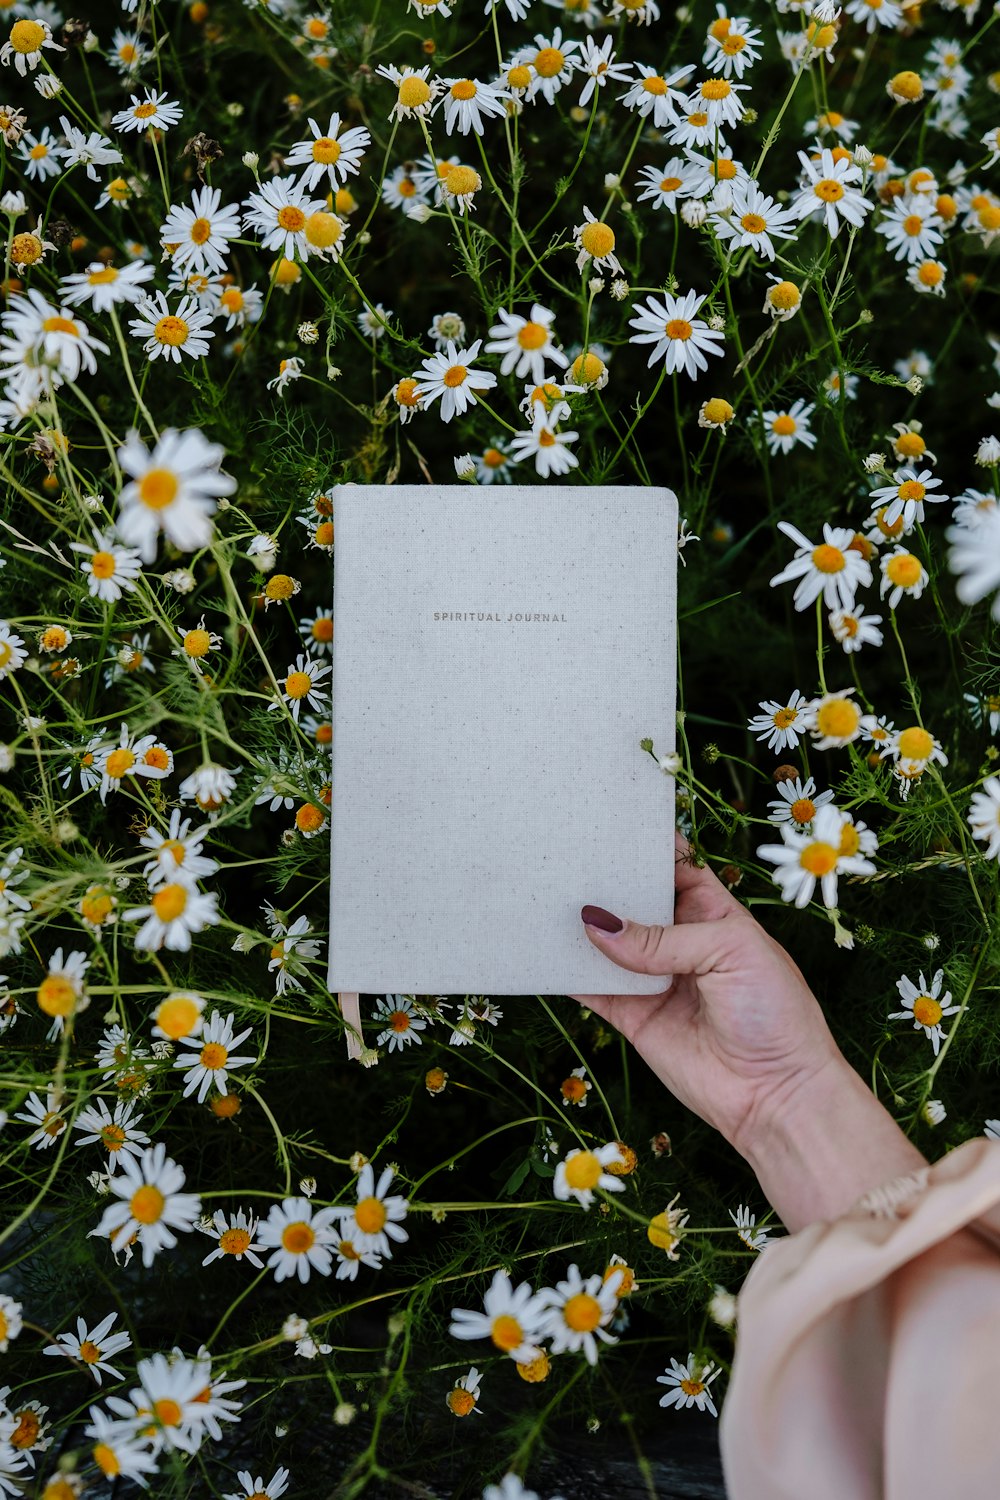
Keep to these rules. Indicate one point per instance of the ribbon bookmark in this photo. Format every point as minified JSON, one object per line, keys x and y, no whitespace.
{"x":350,"y":1009}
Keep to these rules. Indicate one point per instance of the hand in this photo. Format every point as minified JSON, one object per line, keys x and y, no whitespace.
{"x":741,"y":1040}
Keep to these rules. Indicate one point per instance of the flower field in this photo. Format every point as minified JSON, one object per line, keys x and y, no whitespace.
{"x":255,"y":251}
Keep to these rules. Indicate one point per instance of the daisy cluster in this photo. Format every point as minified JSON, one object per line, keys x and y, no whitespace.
{"x":257,"y":249}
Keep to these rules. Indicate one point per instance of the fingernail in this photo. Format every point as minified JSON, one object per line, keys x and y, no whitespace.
{"x":604,"y":921}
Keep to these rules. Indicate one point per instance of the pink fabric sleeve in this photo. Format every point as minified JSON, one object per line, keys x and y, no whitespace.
{"x":868,"y":1348}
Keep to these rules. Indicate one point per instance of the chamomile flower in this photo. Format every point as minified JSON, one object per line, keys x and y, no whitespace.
{"x":46,"y":338}
{"x":197,"y":237}
{"x":984,"y":816}
{"x":105,"y":287}
{"x":28,"y":38}
{"x":333,"y":154}
{"x":41,"y":154}
{"x":914,"y":749}
{"x":906,"y":496}
{"x":127,"y":758}
{"x":581,"y":1173}
{"x":173,"y":489}
{"x":720,"y":101}
{"x":351,"y":1257}
{"x":798,"y":802}
{"x":93,"y":1347}
{"x":150,"y":1203}
{"x":215,"y":1048}
{"x":154,"y":112}
{"x":830,"y":192}
{"x":854,"y":630}
{"x":925,"y":1006}
{"x":415,"y":93}
{"x":299,"y":1238}
{"x":546,"y":445}
{"x":745,"y":1221}
{"x":46,"y":1116}
{"x":512,"y":1318}
{"x":281,"y":213}
{"x":831,"y":569}
{"x":902,"y":573}
{"x":781,"y":724}
{"x":526,"y":344}
{"x":466,"y":102}
{"x":677,"y":336}
{"x":578,"y":1312}
{"x":12,"y":654}
{"x":256,"y":1489}
{"x":553,"y":61}
{"x":118,"y":1134}
{"x":595,"y":242}
{"x":688,"y":1385}
{"x":302,"y":684}
{"x":449,"y":376}
{"x":175,"y":911}
{"x":784,"y":430}
{"x":658,"y":97}
{"x":117,"y":1449}
{"x":911,"y":227}
{"x":664,"y":186}
{"x":291,"y":950}
{"x":751,"y":219}
{"x":402,"y":1023}
{"x":169,"y":334}
{"x":803,"y":859}
{"x":234,"y":1237}
{"x":376,"y":1217}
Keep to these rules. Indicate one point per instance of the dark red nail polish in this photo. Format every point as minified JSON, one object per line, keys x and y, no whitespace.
{"x":596,"y":916}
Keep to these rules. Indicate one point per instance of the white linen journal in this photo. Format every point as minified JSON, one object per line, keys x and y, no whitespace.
{"x":498,"y":654}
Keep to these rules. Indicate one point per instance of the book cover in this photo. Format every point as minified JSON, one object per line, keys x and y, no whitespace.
{"x":498,"y":655}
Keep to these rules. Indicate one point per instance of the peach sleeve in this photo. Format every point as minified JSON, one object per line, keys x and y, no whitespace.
{"x":867,"y":1362}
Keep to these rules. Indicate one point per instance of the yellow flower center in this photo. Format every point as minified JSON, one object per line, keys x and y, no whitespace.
{"x":61,"y":325}
{"x":200,"y":231}
{"x":454,"y":376}
{"x":406,"y":392}
{"x":413,"y":92}
{"x":678,"y":328}
{"x":715,"y":88}
{"x":213,"y":1056}
{"x":669,"y":184}
{"x":310,"y":818}
{"x":460,"y":181}
{"x":234,"y":1241}
{"x":784,"y":426}
{"x":519,"y":77}
{"x":911,"y":444}
{"x":583,"y":1171}
{"x":718,"y":411}
{"x":783,"y":295}
{"x":692,"y":1387}
{"x":548,"y":62}
{"x":827,"y":559}
{"x":573,"y":1089}
{"x":582,"y":1313}
{"x":698,"y":120}
{"x":54,"y":638}
{"x":169,"y":902}
{"x":734,"y":43}
{"x":322,"y":629}
{"x":785,"y":717}
{"x":56,"y":996}
{"x":926,"y":1010}
{"x":803,"y":810}
{"x":26,"y":36}
{"x":535,"y":1370}
{"x":158,"y":758}
{"x":113,"y":1138}
{"x":297,"y":1238}
{"x":908,"y":85}
{"x":298,"y":684}
{"x":828,"y":189}
{"x":106,"y":1460}
{"x":171,"y":330}
{"x":197,"y":643}
{"x":546,"y":439}
{"x":850,"y":840}
{"x":915,"y":744}
{"x":838,"y":719}
{"x":586,"y":369}
{"x":461,"y":1401}
{"x":326,"y":150}
{"x":118,"y":762}
{"x":279,"y":586}
{"x":25,"y":1434}
{"x":147,"y":1204}
{"x":96,"y":905}
{"x":144,"y":111}
{"x":506,"y":1333}
{"x":597,"y":239}
{"x":232,"y":299}
{"x":819,"y":859}
{"x":659,"y":1232}
{"x":89,"y":1352}
{"x":102,"y":564}
{"x":119,"y":190}
{"x":323,"y":230}
{"x":903,"y":569}
{"x":911,"y":489}
{"x":25,"y":249}
{"x":463,"y":89}
{"x":753,"y":223}
{"x":291,"y":218}
{"x":655,"y":85}
{"x":370,"y":1215}
{"x":168,"y":1412}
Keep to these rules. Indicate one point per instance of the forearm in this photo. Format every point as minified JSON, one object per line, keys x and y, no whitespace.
{"x":818,"y":1151}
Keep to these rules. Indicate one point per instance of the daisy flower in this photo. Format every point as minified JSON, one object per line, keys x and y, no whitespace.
{"x":215,"y":1047}
{"x":831,"y":569}
{"x":688,"y":1385}
{"x":239,"y":306}
{"x":803,"y":859}
{"x":280,"y":213}
{"x":256,"y":1489}
{"x":974,"y":559}
{"x":466,"y":101}
{"x":925,"y":1006}
{"x":10,"y":1321}
{"x":450,"y":377}
{"x":174,"y":912}
{"x":575,"y":1088}
{"x":677,"y":336}
{"x":127,"y":758}
{"x":493,"y":464}
{"x":720,"y":101}
{"x":153,"y":112}
{"x":197,"y":238}
{"x":46,"y":1116}
{"x":301,"y":685}
{"x":404,"y":1024}
{"x":664,"y":186}
{"x":233,"y":1235}
{"x":855,"y":630}
{"x":299,"y":1238}
{"x":24,"y":45}
{"x":829,"y":191}
{"x":754,"y":1239}
{"x":376,"y":1218}
{"x":332,"y":154}
{"x":548,"y":447}
{"x":902,"y":573}
{"x":784,"y":429}
{"x":351,"y":1256}
{"x":797,"y":802}
{"x":117,"y":1449}
{"x":578,"y":1312}
{"x":41,"y":154}
{"x":104,"y":286}
{"x":38,"y":333}
{"x":415,"y":94}
{"x":906,"y":496}
{"x":732,"y":46}
{"x":781,"y":724}
{"x":291,"y":950}
{"x":317,"y":630}
{"x":463,"y":1397}
{"x":658,"y":95}
{"x":169,"y":334}
{"x":511,"y":1317}
{"x":150,"y":1204}
{"x":118,"y":1134}
{"x":553,"y":62}
{"x":110,"y":569}
{"x":12,"y":654}
{"x":525,"y":343}
{"x":93,"y":1347}
{"x":914,"y":749}
{"x":211,"y":786}
{"x":752,"y":219}
{"x":595,"y":241}
{"x":834,"y":720}
{"x":168,"y":1406}
{"x":783,"y":300}
{"x":984,"y":816}
{"x":599,"y":66}
{"x":173,"y":489}
{"x":912,"y":228}
{"x":195,"y":644}
{"x":581,"y":1173}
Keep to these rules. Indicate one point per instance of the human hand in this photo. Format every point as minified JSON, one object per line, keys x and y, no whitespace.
{"x":741,"y":1040}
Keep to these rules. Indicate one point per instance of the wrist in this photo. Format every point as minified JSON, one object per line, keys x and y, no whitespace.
{"x":821,"y":1142}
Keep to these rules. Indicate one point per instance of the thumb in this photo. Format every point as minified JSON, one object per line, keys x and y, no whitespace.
{"x":690,"y":948}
